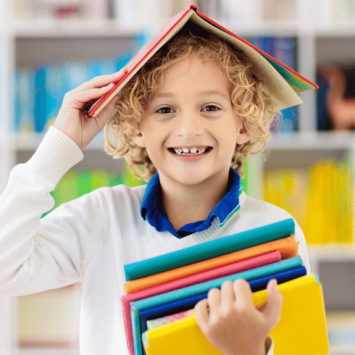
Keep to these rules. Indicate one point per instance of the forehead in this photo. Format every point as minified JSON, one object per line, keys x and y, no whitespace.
{"x":194,"y":73}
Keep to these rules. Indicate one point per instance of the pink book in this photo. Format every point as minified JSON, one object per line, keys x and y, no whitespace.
{"x":204,"y":276}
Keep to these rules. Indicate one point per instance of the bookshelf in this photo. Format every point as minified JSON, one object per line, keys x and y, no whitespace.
{"x":323,"y":34}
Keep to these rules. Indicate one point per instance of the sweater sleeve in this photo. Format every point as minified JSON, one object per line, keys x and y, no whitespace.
{"x":38,"y":254}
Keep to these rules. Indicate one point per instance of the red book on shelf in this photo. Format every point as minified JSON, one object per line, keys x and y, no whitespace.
{"x":282,"y":83}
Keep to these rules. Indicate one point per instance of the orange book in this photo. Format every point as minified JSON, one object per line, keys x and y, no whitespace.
{"x":288,"y":248}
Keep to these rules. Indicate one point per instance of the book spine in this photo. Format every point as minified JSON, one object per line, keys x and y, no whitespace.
{"x":315,"y":198}
{"x":40,"y":91}
{"x":209,"y":249}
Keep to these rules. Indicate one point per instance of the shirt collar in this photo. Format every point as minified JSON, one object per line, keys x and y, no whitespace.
{"x":153,"y":211}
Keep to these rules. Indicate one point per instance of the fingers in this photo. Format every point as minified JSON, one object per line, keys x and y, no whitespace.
{"x":79,"y":98}
{"x":102,"y":80}
{"x":244,"y":293}
{"x":201,"y":311}
{"x":214,"y":301}
{"x":227,"y":293}
{"x":272,"y":310}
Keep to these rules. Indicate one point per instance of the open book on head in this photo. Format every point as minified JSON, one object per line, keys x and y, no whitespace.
{"x":283,"y":84}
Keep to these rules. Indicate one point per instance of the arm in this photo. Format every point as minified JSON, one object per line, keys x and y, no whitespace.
{"x":233,"y":324}
{"x":38,"y":254}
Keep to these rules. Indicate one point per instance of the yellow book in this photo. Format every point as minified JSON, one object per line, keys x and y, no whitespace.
{"x":301,"y":330}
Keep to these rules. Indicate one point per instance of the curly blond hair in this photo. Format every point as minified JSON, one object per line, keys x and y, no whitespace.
{"x":248,"y":99}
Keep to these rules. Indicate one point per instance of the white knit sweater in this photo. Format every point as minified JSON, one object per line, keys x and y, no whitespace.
{"x":89,"y":239}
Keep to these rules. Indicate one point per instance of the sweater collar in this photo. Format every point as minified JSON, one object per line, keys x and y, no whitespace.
{"x":153,"y":211}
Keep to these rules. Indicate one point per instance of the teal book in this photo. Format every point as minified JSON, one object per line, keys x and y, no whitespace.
{"x":210,"y":249}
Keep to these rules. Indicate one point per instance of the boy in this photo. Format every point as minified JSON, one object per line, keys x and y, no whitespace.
{"x":189,"y":115}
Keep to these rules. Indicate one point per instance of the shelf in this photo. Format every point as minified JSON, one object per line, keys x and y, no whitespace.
{"x":341,"y":330}
{"x":30,"y":141}
{"x":342,"y":350}
{"x":112,"y":28}
{"x":40,"y":351}
{"x":85,"y":29}
{"x":279,"y":141}
{"x":312,"y":140}
{"x":332,"y":252}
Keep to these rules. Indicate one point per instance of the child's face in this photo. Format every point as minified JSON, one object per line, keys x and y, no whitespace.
{"x":192,"y":112}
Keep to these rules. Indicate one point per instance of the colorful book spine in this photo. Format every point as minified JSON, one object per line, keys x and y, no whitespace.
{"x":286,"y":247}
{"x":39,"y":91}
{"x":76,"y":183}
{"x":316,"y":199}
{"x":283,"y":49}
{"x":210,"y":249}
{"x":172,"y":296}
{"x":301,"y":330}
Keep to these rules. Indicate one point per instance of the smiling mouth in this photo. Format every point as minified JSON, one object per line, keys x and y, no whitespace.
{"x":190,"y":151}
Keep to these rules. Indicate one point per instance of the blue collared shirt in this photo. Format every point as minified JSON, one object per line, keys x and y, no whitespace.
{"x":153,"y":210}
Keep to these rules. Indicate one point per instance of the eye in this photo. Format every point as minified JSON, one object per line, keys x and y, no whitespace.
{"x":210,"y":108}
{"x":165,"y":110}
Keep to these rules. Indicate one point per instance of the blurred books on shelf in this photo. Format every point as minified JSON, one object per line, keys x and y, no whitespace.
{"x":283,"y":49}
{"x":62,"y":10}
{"x":49,"y":319}
{"x":327,"y":12}
{"x":40,"y":91}
{"x":76,"y":183}
{"x":320,"y":199}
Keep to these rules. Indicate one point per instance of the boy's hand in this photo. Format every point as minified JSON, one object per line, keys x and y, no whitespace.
{"x":72,"y":118}
{"x":233,"y":324}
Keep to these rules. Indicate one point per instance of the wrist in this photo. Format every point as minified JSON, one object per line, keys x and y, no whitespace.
{"x":258,"y":350}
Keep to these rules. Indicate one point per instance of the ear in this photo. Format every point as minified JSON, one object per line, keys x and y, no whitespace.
{"x":243,"y":136}
{"x":139,"y":140}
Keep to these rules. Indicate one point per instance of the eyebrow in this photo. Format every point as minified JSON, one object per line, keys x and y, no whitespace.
{"x":204,"y":93}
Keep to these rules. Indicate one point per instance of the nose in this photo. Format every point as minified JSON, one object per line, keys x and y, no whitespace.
{"x":188,"y":125}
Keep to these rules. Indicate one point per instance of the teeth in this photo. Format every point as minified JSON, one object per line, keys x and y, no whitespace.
{"x":187,"y":151}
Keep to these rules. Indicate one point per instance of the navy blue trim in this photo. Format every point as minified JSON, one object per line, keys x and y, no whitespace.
{"x":153,"y":210}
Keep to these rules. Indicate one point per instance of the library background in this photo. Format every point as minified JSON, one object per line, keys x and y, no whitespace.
{"x":49,"y":47}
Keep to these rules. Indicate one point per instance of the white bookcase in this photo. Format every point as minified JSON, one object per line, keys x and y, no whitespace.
{"x":27,"y":43}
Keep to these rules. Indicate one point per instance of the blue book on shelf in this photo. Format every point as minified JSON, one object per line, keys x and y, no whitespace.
{"x":54,"y":84}
{"x":285,"y":50}
{"x":122,"y":60}
{"x":40,"y":98}
{"x":210,"y":249}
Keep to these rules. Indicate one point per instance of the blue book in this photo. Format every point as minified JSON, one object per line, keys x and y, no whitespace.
{"x":210,"y":249}
{"x":284,"y":49}
{"x":54,"y":88}
{"x":138,"y":306}
{"x":40,"y":98}
{"x":122,"y":60}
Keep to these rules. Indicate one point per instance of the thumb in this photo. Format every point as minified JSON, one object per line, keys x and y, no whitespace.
{"x":272,"y":310}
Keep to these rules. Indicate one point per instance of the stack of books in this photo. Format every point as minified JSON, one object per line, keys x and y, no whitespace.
{"x":161,"y":292}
